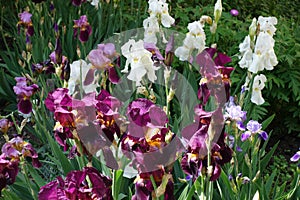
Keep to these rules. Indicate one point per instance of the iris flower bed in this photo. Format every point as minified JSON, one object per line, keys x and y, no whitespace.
{"x":119,"y":100}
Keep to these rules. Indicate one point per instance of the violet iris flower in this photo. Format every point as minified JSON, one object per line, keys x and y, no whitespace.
{"x":46,"y":66}
{"x":75,"y":186}
{"x":253,"y":127}
{"x":24,"y":93}
{"x":295,"y":157}
{"x":85,"y":29}
{"x":144,"y":188}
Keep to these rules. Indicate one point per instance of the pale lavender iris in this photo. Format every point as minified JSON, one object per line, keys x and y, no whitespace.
{"x":25,"y":21}
{"x":98,"y":59}
{"x":102,"y":57}
{"x":235,"y":113}
{"x":254,"y":126}
{"x":25,"y":17}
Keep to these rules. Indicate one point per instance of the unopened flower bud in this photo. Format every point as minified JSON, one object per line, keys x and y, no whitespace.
{"x":218,"y":11}
{"x":171,"y":95}
{"x":167,"y":74}
{"x":252,"y":29}
{"x":142,"y":90}
{"x":152,"y":96}
{"x":256,"y":176}
{"x":78,"y":52}
{"x":247,"y":160}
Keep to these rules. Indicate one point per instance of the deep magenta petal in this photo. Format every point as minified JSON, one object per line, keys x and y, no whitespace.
{"x":25,"y":106}
{"x":113,"y":75}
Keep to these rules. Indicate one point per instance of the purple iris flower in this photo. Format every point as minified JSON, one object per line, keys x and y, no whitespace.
{"x":156,"y":55}
{"x":25,"y":21}
{"x":150,"y":146}
{"x":62,"y":104}
{"x":169,"y":53}
{"x":195,"y":158}
{"x":102,"y":57}
{"x":107,"y":114}
{"x":144,"y":112}
{"x":219,"y":59}
{"x":77,"y":2}
{"x":85,"y":29}
{"x":8,"y":171}
{"x":5,"y":124}
{"x":212,"y":71}
{"x":17,"y":147}
{"x":25,"y":17}
{"x":75,"y":186}
{"x":58,"y":98}
{"x":144,"y":188}
{"x":46,"y":66}
{"x":24,"y":93}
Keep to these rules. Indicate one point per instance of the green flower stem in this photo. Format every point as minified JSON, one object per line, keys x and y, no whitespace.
{"x":250,"y":170}
{"x":25,"y":173}
{"x":16,"y":125}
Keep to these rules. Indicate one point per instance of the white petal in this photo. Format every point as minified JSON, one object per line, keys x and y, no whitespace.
{"x":167,"y":20}
{"x":257,"y":97}
{"x":182,"y":53}
{"x":246,"y":60}
{"x":257,"y":63}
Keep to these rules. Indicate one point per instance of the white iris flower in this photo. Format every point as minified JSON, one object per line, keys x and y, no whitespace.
{"x":140,"y":61}
{"x":89,"y":81}
{"x":258,"y":85}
